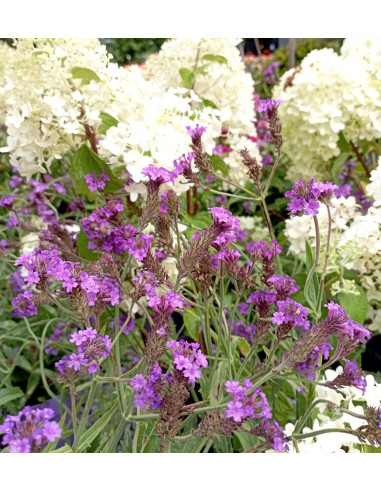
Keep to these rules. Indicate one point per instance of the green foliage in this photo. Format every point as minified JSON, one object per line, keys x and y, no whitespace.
{"x":187,"y":76}
{"x":132,"y":50}
{"x":84,"y":74}
{"x":356,"y":305}
{"x":85,"y":161}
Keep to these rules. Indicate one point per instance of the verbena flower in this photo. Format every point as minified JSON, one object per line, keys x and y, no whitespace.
{"x":30,"y":430}
{"x":97,"y":181}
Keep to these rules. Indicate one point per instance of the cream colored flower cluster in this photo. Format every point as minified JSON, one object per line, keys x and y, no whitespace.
{"x":46,"y":100}
{"x":225,"y":84}
{"x":328,"y":94}
{"x":336,"y":442}
{"x":52,"y":88}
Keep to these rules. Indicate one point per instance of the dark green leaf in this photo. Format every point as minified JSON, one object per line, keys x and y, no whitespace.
{"x":192,"y":323}
{"x":343,"y":144}
{"x":282,"y":409}
{"x":85,"y":161}
{"x":85,"y":74}
{"x":83,"y":250}
{"x":9,"y":394}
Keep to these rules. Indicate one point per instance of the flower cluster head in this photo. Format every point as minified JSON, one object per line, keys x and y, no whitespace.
{"x":91,"y":347}
{"x":291,"y":313}
{"x":160,"y":175}
{"x":166,"y":303}
{"x":23,"y":304}
{"x":106,"y":231}
{"x":243,"y":406}
{"x":227,"y":224}
{"x":149,"y":388}
{"x":268,"y":105}
{"x":351,"y":376}
{"x":129,"y":325}
{"x":284,"y":286}
{"x":306,"y":195}
{"x":30,"y":430}
{"x":7,"y":201}
{"x":97,"y":181}
{"x":344,"y":325}
{"x":188,"y":358}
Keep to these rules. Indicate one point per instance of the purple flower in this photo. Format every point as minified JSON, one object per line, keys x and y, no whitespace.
{"x":97,"y":181}
{"x":29,"y":431}
{"x":24,"y":305}
{"x":7,"y":201}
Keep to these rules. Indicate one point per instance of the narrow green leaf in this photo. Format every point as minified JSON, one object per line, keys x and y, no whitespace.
{"x":9,"y":394}
{"x":187,"y":76}
{"x":85,"y":74}
{"x":215,"y":58}
{"x":64,"y":449}
{"x":89,"y":436}
{"x":209,"y":104}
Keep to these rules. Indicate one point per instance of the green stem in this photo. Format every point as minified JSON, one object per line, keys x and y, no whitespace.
{"x":299,"y":426}
{"x":314,"y":266}
{"x":322,"y":431}
{"x":321,"y":286}
{"x":208,"y":336}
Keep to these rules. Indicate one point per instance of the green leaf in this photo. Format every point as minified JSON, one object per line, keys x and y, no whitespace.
{"x":83,"y":250}
{"x":187,"y":76}
{"x":243,"y":346}
{"x":355,"y":305}
{"x":343,"y":143}
{"x":201,"y":220}
{"x":215,"y":58}
{"x":89,"y":436}
{"x":209,"y":104}
{"x":282,"y":409}
{"x":108,"y":121}
{"x":85,"y":161}
{"x":219,"y":165}
{"x":337,"y":167}
{"x":85,"y":74}
{"x":9,"y":394}
{"x":64,"y":449}
{"x":192,"y":323}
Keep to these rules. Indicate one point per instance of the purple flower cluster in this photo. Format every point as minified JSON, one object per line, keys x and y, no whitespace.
{"x":44,"y":264}
{"x":344,"y":325}
{"x":269,"y":72}
{"x":188,"y":358}
{"x":97,"y":181}
{"x":122,"y":320}
{"x":240,"y":329}
{"x":91,"y":347}
{"x":227,"y":224}
{"x":166,"y":303}
{"x":196,"y":132}
{"x":306,"y":195}
{"x":291,"y":313}
{"x":30,"y":430}
{"x":266,"y":252}
{"x":148,"y":389}
{"x":284,"y":286}
{"x":7,"y":201}
{"x":243,"y":406}
{"x":23,"y":304}
{"x":268,"y":105}
{"x":312,"y":360}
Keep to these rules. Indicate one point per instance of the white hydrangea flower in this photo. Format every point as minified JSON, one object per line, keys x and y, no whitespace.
{"x":326,"y":95}
{"x":336,"y":442}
